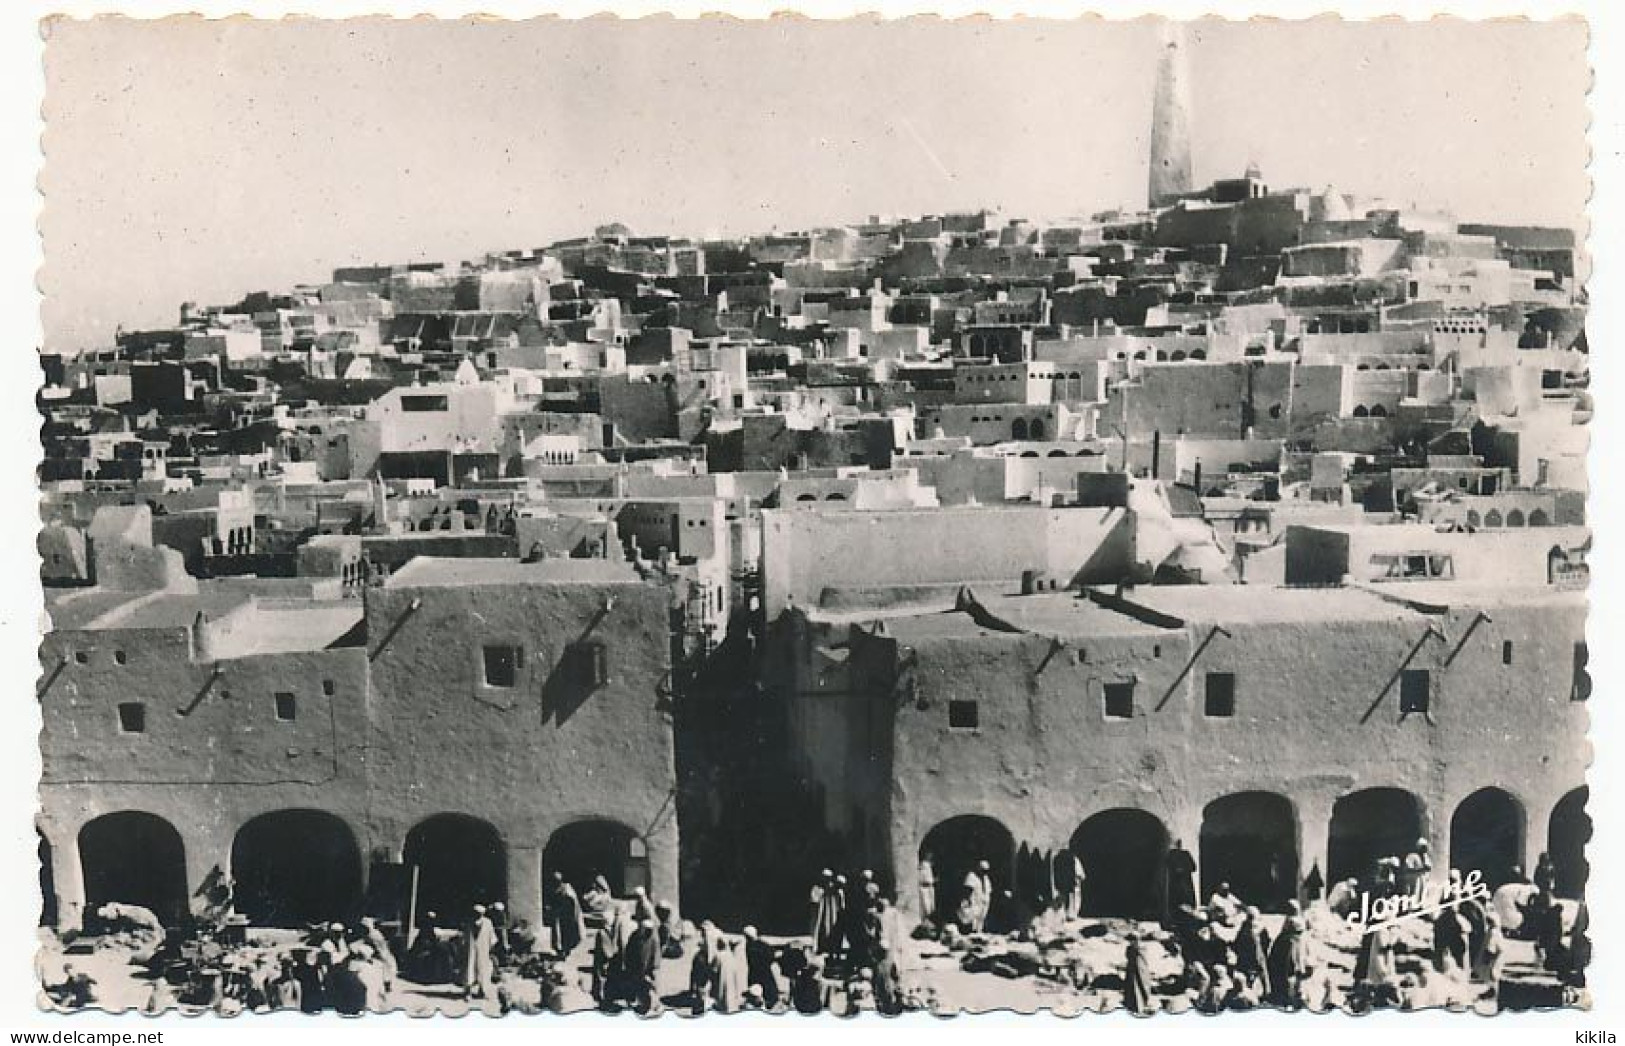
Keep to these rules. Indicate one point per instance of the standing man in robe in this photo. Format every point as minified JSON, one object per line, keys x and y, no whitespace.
{"x":1137,"y":980}
{"x":564,"y":923}
{"x":1417,"y":867}
{"x":642,"y":961}
{"x":928,"y":889}
{"x":1080,"y":880}
{"x":385,"y":956}
{"x":481,"y":971}
{"x":1313,"y":884}
{"x":978,"y":896}
{"x":828,"y":901}
{"x":1181,"y":880}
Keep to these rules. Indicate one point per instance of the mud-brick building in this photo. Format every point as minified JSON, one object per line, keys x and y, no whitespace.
{"x":450,"y":739}
{"x":1269,"y":731}
{"x":522,"y":727}
{"x":198,"y":730}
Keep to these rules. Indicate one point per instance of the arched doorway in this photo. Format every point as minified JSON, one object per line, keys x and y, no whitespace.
{"x":1486,"y":834}
{"x":460,"y":862}
{"x":134,"y":858}
{"x":1250,"y":840}
{"x":1018,"y":429}
{"x":1122,"y":852}
{"x":1567,"y":835}
{"x":296,"y":867}
{"x":956,"y":845}
{"x":1036,"y":430}
{"x":1370,"y":824}
{"x":586,"y":849}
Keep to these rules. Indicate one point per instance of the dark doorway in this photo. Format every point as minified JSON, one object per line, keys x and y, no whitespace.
{"x":1371,"y":824}
{"x":955,"y":846}
{"x":1486,"y":834}
{"x":134,"y":858}
{"x":586,"y":849}
{"x":460,"y":862}
{"x":1250,"y":840}
{"x":1568,"y":834}
{"x":1122,"y":852}
{"x":296,"y":867}
{"x":49,"y":912}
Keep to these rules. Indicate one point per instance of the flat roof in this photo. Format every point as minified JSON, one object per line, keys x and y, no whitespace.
{"x":434,"y":571}
{"x":289,"y":627}
{"x":828,"y":510}
{"x":94,"y":609}
{"x":1476,"y":593}
{"x":1248,"y":604}
{"x":1047,"y":614}
{"x":1532,"y":535}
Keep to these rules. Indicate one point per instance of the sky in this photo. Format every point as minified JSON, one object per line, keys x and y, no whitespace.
{"x":192,"y":160}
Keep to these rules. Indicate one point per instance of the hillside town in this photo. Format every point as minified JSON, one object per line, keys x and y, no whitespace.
{"x":941,"y":612}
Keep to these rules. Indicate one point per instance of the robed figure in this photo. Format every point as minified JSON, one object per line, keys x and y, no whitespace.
{"x":1137,"y":980}
{"x":1181,"y":879}
{"x":564,"y":920}
{"x":828,"y":902}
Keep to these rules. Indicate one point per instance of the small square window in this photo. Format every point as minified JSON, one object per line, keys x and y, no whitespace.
{"x":1506,"y":652}
{"x":81,"y":657}
{"x":120,"y":658}
{"x":132,"y":717}
{"x":1220,"y":698}
{"x":287,"y":707}
{"x":1414,"y":688}
{"x":328,"y":688}
{"x":502,"y":666}
{"x":1119,"y":700}
{"x":964,"y":715}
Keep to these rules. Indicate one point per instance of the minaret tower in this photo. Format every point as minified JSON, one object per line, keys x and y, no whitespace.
{"x":1170,"y":121}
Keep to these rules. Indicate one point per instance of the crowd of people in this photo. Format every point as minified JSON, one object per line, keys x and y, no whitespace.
{"x":1317,"y":953}
{"x":616,"y":953}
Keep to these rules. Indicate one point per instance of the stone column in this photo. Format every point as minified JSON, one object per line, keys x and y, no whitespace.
{"x":662,"y":845}
{"x":1185,"y":827}
{"x":906,"y":876}
{"x":1537,"y":832}
{"x":67,"y":879}
{"x":1436,"y":830}
{"x":525,"y":884}
{"x":1314,"y":838}
{"x":208,"y":849}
